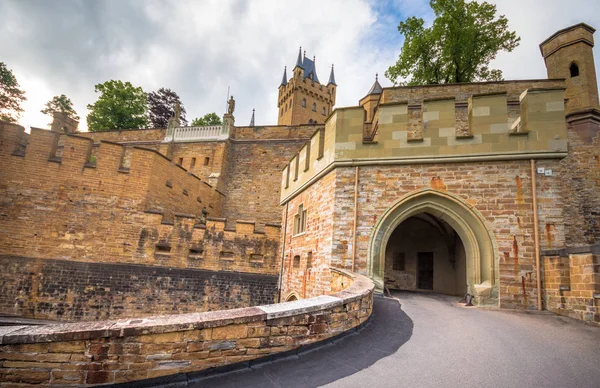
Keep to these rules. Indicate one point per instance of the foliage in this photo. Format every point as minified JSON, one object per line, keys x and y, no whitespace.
{"x":208,"y":119}
{"x":458,"y":47}
{"x":11,"y":96}
{"x":120,"y":106}
{"x":161,"y":105}
{"x":60,"y":104}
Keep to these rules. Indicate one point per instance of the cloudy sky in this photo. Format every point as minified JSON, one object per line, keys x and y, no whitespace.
{"x":200,"y":48}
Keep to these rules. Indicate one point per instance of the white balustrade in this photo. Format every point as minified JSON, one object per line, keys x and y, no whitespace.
{"x":186,"y":134}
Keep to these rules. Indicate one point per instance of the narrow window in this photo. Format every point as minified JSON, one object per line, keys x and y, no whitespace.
{"x":309,"y":260}
{"x":398,"y":261}
{"x":574,"y":69}
{"x":180,"y":162}
{"x":323,"y":111}
{"x":206,"y":161}
{"x":297,"y":261}
{"x":193,"y":163}
{"x":281,"y":113}
{"x":303,"y":222}
{"x":314,"y":107}
{"x":300,"y":220}
{"x":304,"y":102}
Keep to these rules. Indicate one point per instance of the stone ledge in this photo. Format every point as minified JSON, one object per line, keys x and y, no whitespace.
{"x":75,"y":331}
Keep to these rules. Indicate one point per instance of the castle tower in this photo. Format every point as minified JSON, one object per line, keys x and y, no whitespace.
{"x":303,"y":99}
{"x":568,"y":54}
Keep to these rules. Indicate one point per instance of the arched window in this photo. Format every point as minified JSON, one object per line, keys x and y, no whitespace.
{"x":574,"y":69}
{"x":304,"y":102}
{"x":323,"y":112}
{"x":281,"y":114}
{"x":314,"y":108}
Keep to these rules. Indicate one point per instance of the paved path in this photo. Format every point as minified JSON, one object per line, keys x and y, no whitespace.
{"x":432,"y":342}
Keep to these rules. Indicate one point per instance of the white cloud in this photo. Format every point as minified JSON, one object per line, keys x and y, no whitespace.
{"x":198,"y":49}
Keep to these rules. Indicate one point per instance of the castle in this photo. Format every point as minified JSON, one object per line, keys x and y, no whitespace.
{"x":486,"y":188}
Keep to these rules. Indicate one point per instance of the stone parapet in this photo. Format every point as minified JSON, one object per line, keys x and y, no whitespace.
{"x":128,"y":350}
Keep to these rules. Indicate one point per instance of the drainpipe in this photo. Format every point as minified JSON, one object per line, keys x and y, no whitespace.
{"x":287,"y":204}
{"x":355,"y":218}
{"x":536,"y":236}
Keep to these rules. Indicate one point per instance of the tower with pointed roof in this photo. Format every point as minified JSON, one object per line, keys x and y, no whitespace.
{"x":303,"y":99}
{"x":370,"y":101}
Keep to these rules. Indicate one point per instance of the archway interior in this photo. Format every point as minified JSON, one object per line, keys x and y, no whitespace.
{"x":425,"y":253}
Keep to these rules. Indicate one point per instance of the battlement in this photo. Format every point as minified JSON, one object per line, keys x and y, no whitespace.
{"x":436,"y":124}
{"x":150,"y":179}
{"x":184,"y":242}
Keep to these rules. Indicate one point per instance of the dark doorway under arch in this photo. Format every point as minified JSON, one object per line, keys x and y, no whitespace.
{"x":425,"y":253}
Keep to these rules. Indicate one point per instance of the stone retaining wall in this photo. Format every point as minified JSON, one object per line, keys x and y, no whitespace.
{"x":127,"y":350}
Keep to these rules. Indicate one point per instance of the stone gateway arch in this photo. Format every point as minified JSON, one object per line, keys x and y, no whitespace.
{"x":468,"y":223}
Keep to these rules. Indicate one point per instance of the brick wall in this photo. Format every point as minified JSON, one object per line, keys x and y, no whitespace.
{"x":75,"y":291}
{"x":299,"y":276}
{"x":254,"y":175}
{"x":572,"y":286}
{"x":129,"y":135}
{"x":129,"y":350}
{"x":582,"y":180}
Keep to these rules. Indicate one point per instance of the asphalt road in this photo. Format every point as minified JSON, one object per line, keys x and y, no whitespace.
{"x":428,"y":340}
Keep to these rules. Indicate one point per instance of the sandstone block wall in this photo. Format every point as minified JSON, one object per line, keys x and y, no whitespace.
{"x":307,"y":265}
{"x":254,"y":179}
{"x":128,"y":350}
{"x":76,"y":291}
{"x":572,"y":286}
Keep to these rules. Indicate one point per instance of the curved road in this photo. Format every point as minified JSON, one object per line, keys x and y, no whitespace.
{"x":428,"y":340}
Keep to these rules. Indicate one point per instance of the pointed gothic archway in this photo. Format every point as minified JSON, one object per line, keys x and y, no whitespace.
{"x":478,"y":241}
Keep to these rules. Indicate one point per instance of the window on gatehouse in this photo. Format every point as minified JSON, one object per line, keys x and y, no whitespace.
{"x":314,"y":107}
{"x":300,"y":220}
{"x":304,"y":102}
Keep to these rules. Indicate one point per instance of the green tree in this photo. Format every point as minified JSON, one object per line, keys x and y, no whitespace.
{"x":458,"y":47}
{"x":11,"y":96}
{"x":62,"y":104}
{"x":207,"y":119}
{"x":120,"y":106}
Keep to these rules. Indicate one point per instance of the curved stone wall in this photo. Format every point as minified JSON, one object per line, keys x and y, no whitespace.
{"x":118,"y":351}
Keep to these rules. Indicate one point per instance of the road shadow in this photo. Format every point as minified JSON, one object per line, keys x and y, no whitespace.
{"x":387,"y":330}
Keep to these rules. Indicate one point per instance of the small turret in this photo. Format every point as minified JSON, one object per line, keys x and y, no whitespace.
{"x":568,"y":54}
{"x":376,"y":88}
{"x":331,"y":77}
{"x":252,"y":119}
{"x":371,"y":100}
{"x":284,"y":79}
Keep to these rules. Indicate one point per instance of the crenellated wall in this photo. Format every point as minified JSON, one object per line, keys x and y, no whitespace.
{"x":65,"y":199}
{"x":501,"y":121}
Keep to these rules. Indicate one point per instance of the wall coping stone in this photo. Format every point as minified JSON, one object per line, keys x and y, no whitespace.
{"x":75,"y":331}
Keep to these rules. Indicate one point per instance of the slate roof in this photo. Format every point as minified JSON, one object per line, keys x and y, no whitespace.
{"x":331,"y":77}
{"x":376,"y":88}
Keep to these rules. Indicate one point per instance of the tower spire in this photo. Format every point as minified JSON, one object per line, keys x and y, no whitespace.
{"x":299,"y":60}
{"x":284,"y":79}
{"x":252,"y":119}
{"x":331,"y":77}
